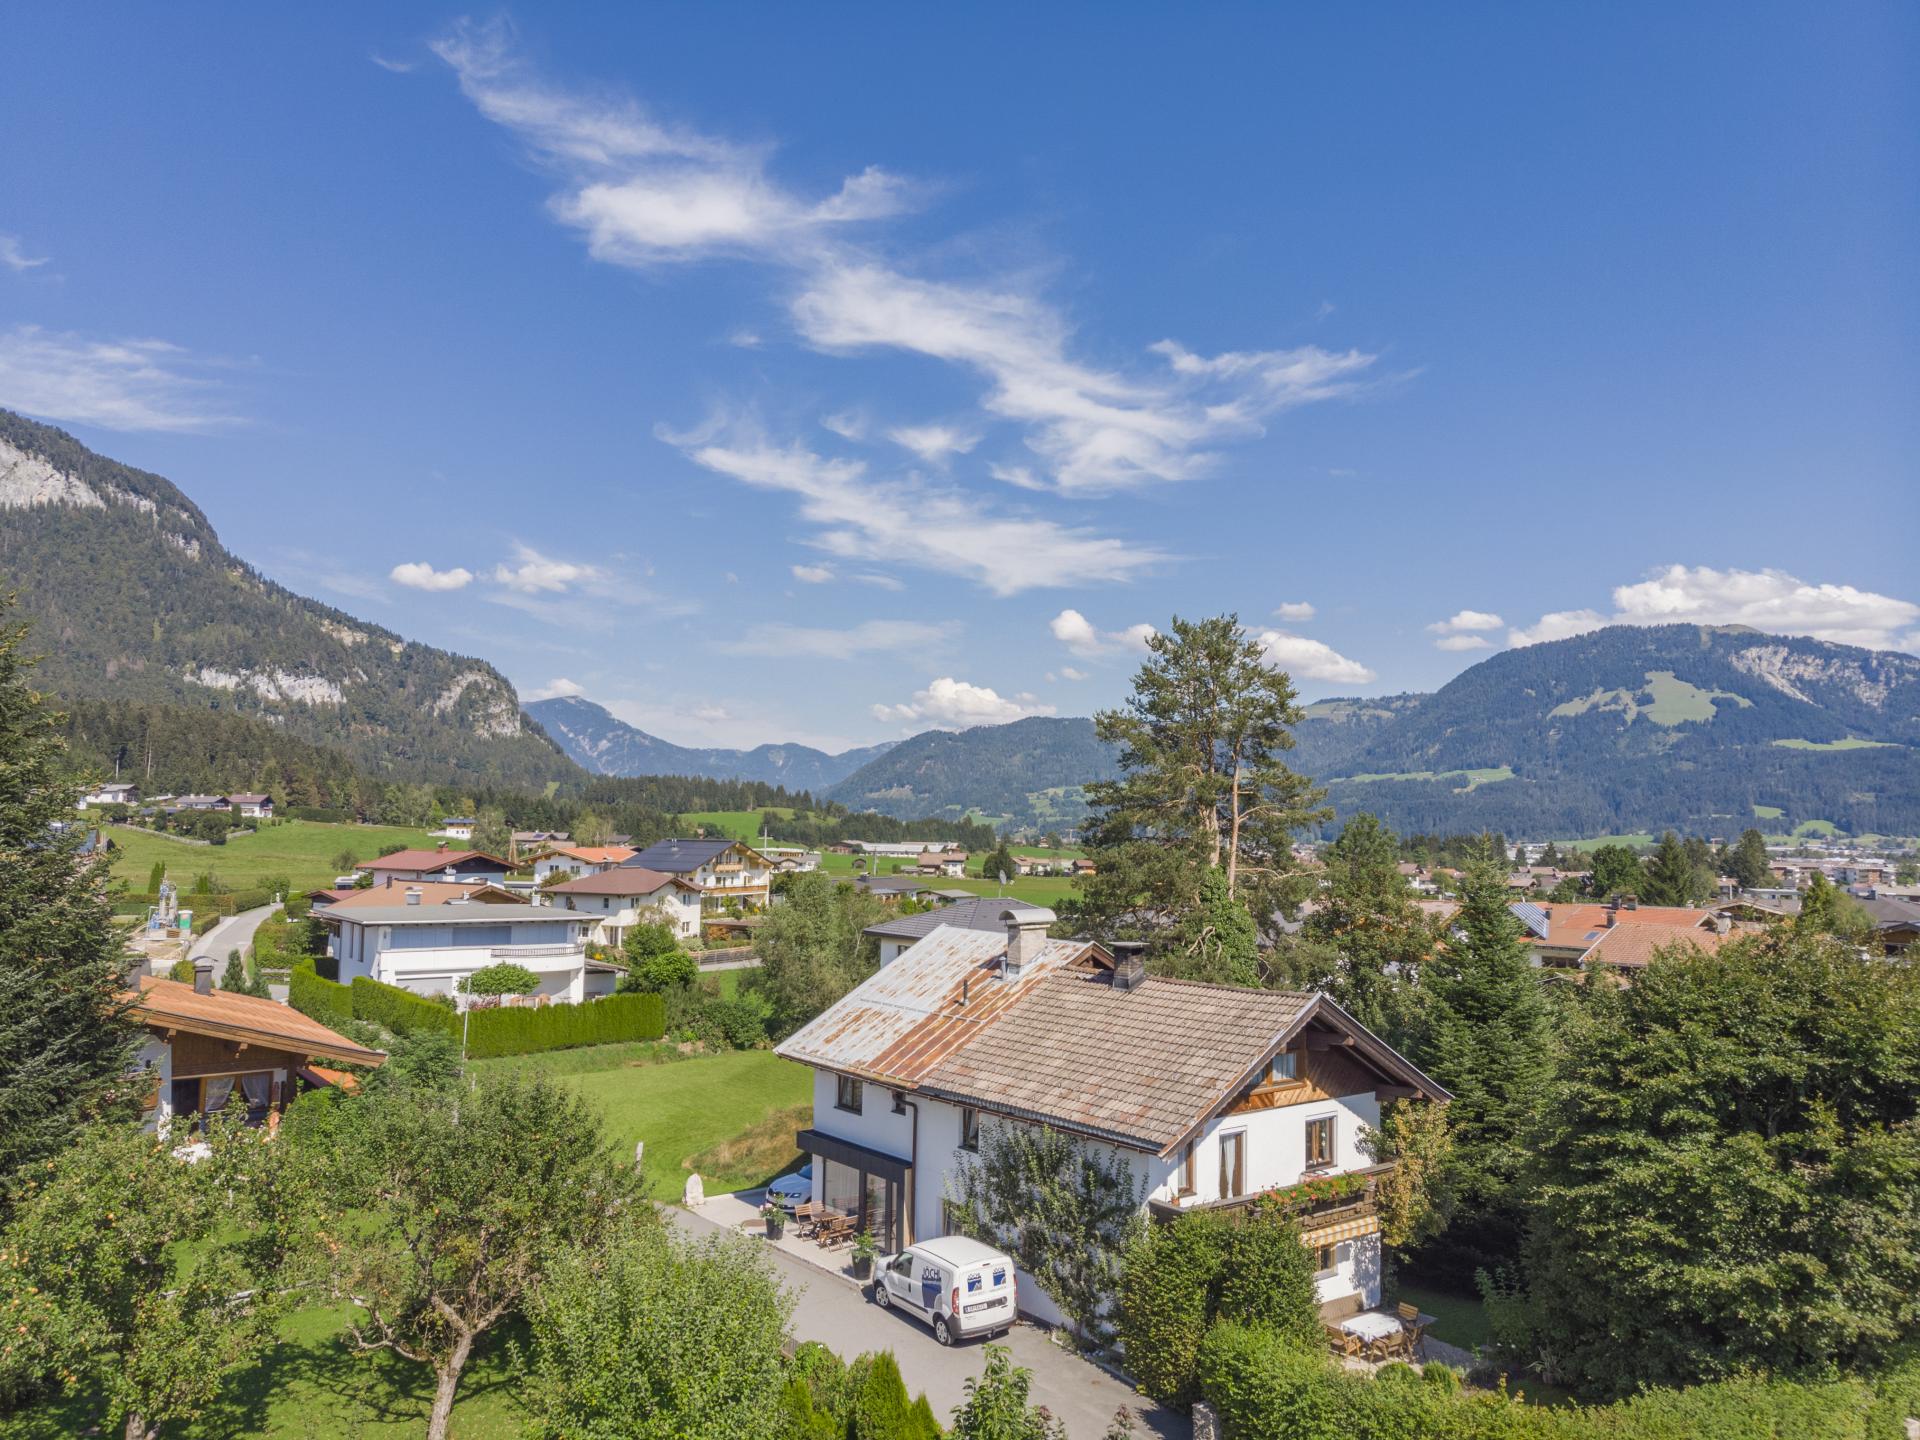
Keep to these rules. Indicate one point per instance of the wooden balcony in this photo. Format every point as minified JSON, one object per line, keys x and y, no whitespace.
{"x":1298,"y":1201}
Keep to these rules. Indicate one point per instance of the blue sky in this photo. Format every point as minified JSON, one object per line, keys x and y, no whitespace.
{"x":777,"y":373}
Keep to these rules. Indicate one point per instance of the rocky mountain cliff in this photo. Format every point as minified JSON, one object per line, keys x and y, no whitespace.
{"x":132,"y":596}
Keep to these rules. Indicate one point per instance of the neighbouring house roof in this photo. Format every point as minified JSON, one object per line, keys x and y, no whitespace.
{"x":1888,"y":910}
{"x":905,"y":884}
{"x":973,"y":913}
{"x":332,"y":895}
{"x":1575,"y":927}
{"x":431,"y":860}
{"x":394,"y":913}
{"x":248,"y":799}
{"x":1061,"y":1045}
{"x":1630,"y":947}
{"x":597,"y":854}
{"x":338,"y":1079}
{"x":621,"y":880}
{"x":172,"y":1005}
{"x":431,"y":892}
{"x":677,"y":857}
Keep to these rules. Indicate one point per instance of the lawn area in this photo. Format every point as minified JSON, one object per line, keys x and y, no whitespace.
{"x":301,"y":850}
{"x":1594,"y":842}
{"x":1457,"y":1319}
{"x":1474,"y":778}
{"x":678,"y":1106}
{"x":1767,"y":812}
{"x":740,"y":824}
{"x":1850,"y":743}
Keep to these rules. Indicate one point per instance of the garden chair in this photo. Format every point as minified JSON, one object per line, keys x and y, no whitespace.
{"x":1346,"y":1344}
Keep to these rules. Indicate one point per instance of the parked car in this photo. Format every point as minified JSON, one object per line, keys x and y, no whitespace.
{"x":959,"y":1286}
{"x":794,"y":1189}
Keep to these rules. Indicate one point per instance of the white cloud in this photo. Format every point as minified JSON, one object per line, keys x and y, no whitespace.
{"x":397,"y":67}
{"x":1466,"y":621}
{"x":920,"y":523}
{"x":712,"y":714}
{"x":745,"y":340}
{"x":116,"y":384}
{"x":847,"y":424}
{"x":1078,"y":634}
{"x":643,"y":192}
{"x":1067,"y":672}
{"x":935,"y":444}
{"x":419,"y":575}
{"x":15,"y":258}
{"x":554,"y":689}
{"x":537,"y":574}
{"x":780,"y":641}
{"x":1556,"y":625}
{"x":1463,"y":642}
{"x":1769,"y":600}
{"x":813,"y":574}
{"x":949,"y":704}
{"x":1294,"y":610}
{"x":879,"y":581}
{"x":1311,"y":660}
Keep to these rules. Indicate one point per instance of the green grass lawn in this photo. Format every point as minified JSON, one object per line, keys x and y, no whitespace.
{"x":1594,"y":842}
{"x":1457,"y":1319}
{"x":740,"y":824}
{"x":1850,"y":743}
{"x":301,"y":850}
{"x":1767,"y":812}
{"x":679,"y":1107}
{"x":1474,"y":778}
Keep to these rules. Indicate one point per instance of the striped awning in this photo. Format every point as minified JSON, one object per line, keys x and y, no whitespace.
{"x":1345,"y":1230}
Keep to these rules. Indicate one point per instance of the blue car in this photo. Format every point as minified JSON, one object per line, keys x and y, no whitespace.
{"x":794,"y":1189}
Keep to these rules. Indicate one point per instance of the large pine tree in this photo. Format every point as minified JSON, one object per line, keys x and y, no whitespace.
{"x":1492,"y":1044}
{"x":64,"y":1040}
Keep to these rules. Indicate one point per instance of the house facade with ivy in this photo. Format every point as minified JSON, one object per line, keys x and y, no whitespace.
{"x":976,"y":1051}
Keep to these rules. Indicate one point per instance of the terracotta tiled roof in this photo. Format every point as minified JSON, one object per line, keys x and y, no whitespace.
{"x":1630,"y":947}
{"x":1575,"y":927}
{"x":1140,"y":1066}
{"x":621,"y":880}
{"x":170,"y":1004}
{"x":430,"y":860}
{"x":432,"y":892}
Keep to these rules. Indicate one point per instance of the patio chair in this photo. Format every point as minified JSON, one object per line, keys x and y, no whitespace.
{"x":1408,"y":1312}
{"x":1346,"y":1344}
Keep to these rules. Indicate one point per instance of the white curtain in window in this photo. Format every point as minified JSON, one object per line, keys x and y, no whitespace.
{"x":214,"y":1092}
{"x":258,"y":1088}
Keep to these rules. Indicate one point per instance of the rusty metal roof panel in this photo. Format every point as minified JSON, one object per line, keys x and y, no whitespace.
{"x":926,"y":1004}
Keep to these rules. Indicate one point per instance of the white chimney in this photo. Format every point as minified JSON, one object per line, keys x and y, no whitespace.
{"x":1026,"y":933}
{"x":413,"y":895}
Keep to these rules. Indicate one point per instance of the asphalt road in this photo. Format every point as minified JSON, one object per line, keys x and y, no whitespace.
{"x":233,"y":933}
{"x":830,"y":1310}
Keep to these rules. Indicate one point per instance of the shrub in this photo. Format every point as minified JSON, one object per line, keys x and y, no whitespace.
{"x":323,"y":1000}
{"x":399,"y":1010}
{"x":505,"y":978}
{"x":181,"y":970}
{"x":611,"y":1021}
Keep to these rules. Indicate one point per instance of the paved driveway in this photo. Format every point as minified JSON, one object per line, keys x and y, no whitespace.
{"x":233,"y":933}
{"x":832,"y":1311}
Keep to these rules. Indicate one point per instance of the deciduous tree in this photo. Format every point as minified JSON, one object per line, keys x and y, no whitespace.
{"x":812,"y":950}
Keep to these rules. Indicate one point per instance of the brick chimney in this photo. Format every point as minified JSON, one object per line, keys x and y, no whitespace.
{"x":1026,"y":933}
{"x":203,"y":975}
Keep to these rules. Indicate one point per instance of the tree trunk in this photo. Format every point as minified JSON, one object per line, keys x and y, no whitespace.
{"x":1233,"y":849}
{"x":138,"y":1429}
{"x":447,"y":1380}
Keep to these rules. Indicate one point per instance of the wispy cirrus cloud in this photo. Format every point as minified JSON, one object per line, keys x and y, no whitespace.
{"x":870,"y":637}
{"x":533,"y":573}
{"x":910,"y":521}
{"x":13,"y":255}
{"x":646,"y":192}
{"x":950,"y":704}
{"x":139,"y":384}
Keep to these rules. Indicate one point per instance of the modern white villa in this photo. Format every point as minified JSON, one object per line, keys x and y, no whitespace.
{"x":429,"y":948}
{"x":617,"y":899}
{"x":1212,"y":1094}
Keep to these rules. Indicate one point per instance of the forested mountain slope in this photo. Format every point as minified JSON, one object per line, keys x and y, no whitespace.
{"x":132,"y":597}
{"x":1028,"y":773}
{"x":607,"y":745}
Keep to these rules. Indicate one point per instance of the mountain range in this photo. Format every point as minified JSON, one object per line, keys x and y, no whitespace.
{"x":602,"y":743}
{"x":132,"y":597}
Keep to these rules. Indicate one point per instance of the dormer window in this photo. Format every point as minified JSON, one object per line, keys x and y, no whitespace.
{"x":1283,"y":1069}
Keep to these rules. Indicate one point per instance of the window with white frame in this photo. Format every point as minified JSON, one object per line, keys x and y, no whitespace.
{"x":1320,"y":1143}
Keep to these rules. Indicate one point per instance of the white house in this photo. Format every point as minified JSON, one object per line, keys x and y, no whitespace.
{"x":429,"y":948}
{"x":456,"y":827}
{"x":1211,"y":1094}
{"x":114,"y":792}
{"x":256,"y":807}
{"x":726,"y":872}
{"x":622,"y":897}
{"x":580,"y":860}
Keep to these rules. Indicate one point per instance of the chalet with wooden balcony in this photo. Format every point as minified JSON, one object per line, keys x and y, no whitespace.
{"x":726,"y":872}
{"x":1215,"y":1096}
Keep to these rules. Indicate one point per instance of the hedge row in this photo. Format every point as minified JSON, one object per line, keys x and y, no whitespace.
{"x":318,"y":812}
{"x":1264,"y":1389}
{"x":518,"y":1031}
{"x":321,"y":999}
{"x":399,"y":1010}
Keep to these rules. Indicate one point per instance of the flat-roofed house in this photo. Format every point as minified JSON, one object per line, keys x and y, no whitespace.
{"x":617,"y":899}
{"x":430,"y":946}
{"x":206,"y":1051}
{"x":1211,"y":1094}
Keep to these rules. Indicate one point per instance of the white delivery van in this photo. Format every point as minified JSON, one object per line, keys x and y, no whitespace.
{"x":959,"y":1286}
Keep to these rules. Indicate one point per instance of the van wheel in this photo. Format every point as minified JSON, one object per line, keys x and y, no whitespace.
{"x":941,"y":1332}
{"x":880,"y":1296}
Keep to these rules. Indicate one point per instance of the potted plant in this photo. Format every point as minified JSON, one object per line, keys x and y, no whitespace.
{"x":776,"y":1219}
{"x":863,"y":1252}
